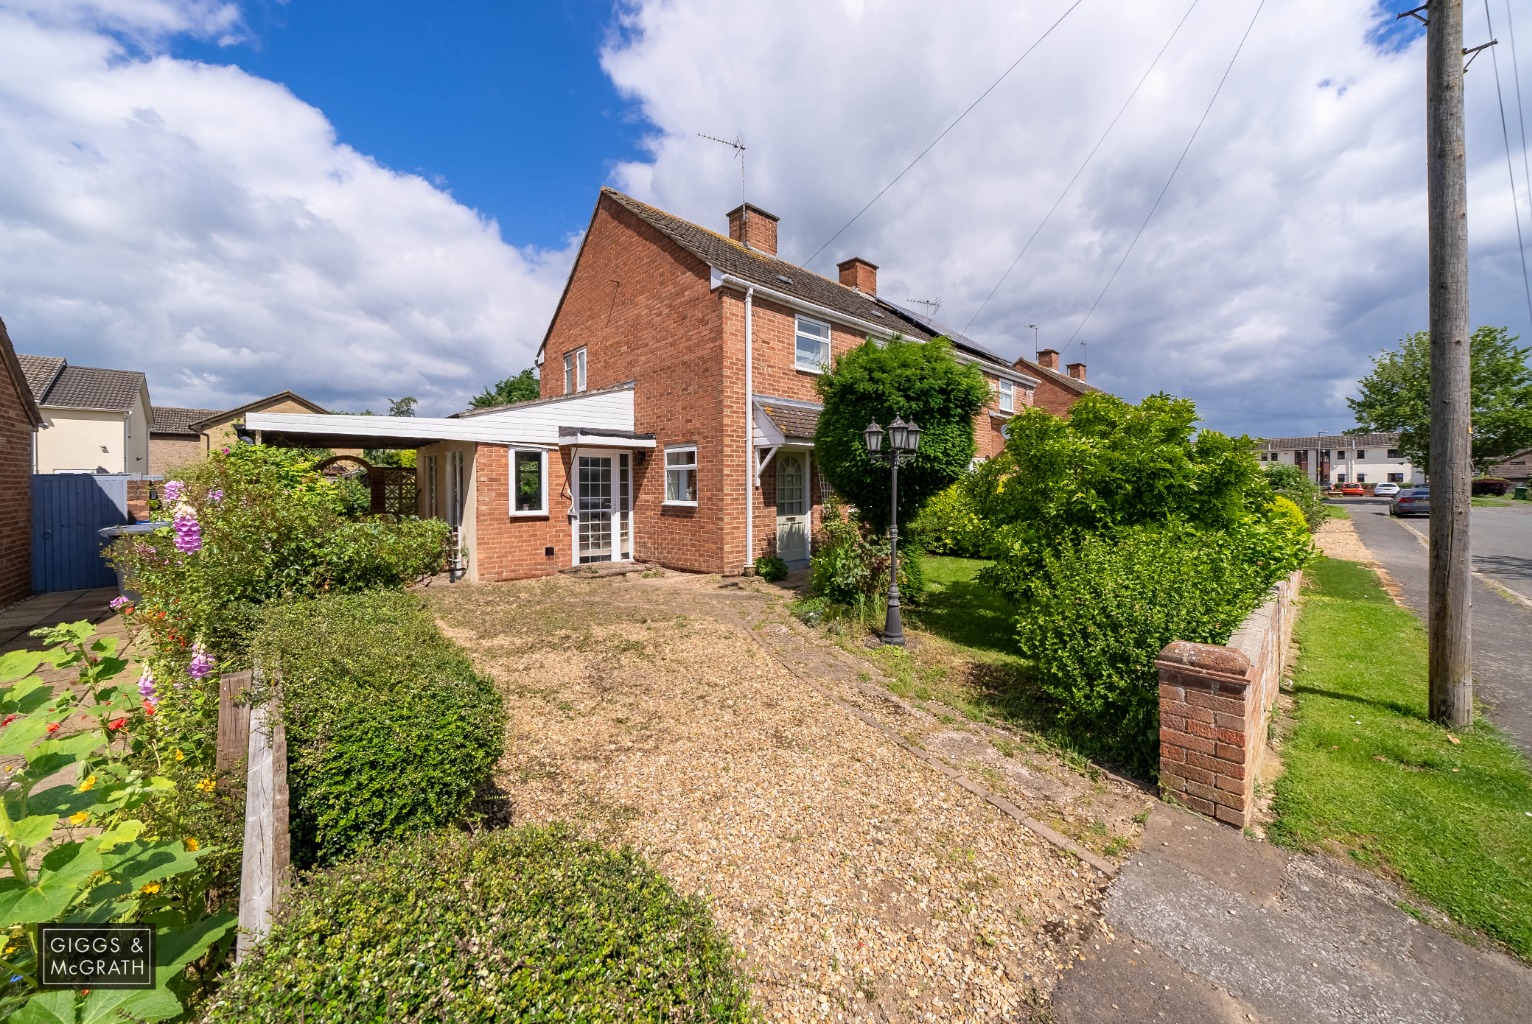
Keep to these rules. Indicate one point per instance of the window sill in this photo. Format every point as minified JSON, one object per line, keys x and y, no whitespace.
{"x":529,"y":515}
{"x":1001,"y":414}
{"x":678,"y":504}
{"x":817,"y":371}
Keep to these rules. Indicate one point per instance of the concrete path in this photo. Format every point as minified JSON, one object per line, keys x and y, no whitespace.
{"x":1502,"y":622}
{"x":1210,"y":926}
{"x":18,"y":620}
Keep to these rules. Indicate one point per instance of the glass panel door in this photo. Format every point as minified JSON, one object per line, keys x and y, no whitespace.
{"x":595,"y":508}
{"x":792,"y":506}
{"x":625,"y":507}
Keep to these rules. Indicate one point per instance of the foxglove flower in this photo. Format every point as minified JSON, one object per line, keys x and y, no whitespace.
{"x":172,"y":491}
{"x":215,"y":495}
{"x":201,"y":663}
{"x":188,"y":530}
{"x":146,"y":688}
{"x":117,"y":604}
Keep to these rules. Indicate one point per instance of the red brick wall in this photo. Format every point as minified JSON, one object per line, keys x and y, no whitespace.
{"x":515,"y":548}
{"x":644,"y":310}
{"x":15,"y":494}
{"x":773,"y":328}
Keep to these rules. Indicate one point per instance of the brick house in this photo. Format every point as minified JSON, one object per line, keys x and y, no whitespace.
{"x":1057,"y":391}
{"x":180,"y":435}
{"x":703,"y":349}
{"x":19,"y":420}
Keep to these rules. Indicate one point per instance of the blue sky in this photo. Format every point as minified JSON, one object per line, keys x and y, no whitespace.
{"x":503,"y":103}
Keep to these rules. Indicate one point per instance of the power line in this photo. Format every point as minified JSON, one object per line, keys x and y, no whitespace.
{"x":1505,"y":133}
{"x":1122,"y":110}
{"x":1172,"y":177}
{"x":945,"y":130}
{"x":1521,"y":116}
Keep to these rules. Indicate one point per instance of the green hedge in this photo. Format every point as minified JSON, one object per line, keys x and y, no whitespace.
{"x":389,"y":728}
{"x":950,"y":524}
{"x":523,"y":925}
{"x":1102,"y":610}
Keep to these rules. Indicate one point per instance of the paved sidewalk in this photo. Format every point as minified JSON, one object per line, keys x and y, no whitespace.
{"x":1208,"y":925}
{"x":18,"y":620}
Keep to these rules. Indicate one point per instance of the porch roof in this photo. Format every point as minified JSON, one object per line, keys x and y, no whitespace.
{"x":786,"y":419}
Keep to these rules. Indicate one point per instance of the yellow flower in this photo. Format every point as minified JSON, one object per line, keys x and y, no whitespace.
{"x":78,"y":818}
{"x":206,"y":785}
{"x":8,"y":951}
{"x":85,"y":786}
{"x":180,"y":756}
{"x":151,"y":888}
{"x":192,"y":844}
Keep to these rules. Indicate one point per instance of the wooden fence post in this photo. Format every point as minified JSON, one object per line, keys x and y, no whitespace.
{"x":267,"y":851}
{"x":233,"y":721}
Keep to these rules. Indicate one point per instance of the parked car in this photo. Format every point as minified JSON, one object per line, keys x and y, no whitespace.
{"x":1385,"y":490}
{"x":1415,"y":501}
{"x":1353,"y":490}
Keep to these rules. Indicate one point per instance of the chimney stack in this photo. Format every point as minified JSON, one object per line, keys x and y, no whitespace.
{"x":1077,"y":371}
{"x":754,"y":228}
{"x":859,"y":274}
{"x":1048,"y":359}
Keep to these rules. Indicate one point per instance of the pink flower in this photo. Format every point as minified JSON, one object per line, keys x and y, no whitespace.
{"x":188,"y":531}
{"x":172,"y":491}
{"x":146,"y":687}
{"x":215,"y":495}
{"x":117,"y":604}
{"x":202,"y":663}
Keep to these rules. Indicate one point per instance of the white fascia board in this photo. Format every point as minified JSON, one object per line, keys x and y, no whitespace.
{"x":583,"y":440}
{"x":880,"y":331}
{"x":383,"y":428}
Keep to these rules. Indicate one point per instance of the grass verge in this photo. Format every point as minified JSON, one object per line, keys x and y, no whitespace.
{"x":1490,"y":501}
{"x":1449,"y":815}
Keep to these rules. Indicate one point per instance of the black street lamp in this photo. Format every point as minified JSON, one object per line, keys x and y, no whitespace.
{"x":903,"y":441}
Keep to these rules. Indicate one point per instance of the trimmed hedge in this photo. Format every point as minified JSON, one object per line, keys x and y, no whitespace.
{"x":1491,"y":485}
{"x":524,"y":925}
{"x":1105,"y":607}
{"x":389,"y":728}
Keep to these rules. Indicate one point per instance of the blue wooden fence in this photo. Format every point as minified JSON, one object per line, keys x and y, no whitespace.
{"x":67,"y":511}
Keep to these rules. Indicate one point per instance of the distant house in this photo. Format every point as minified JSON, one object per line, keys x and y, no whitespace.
{"x":95,"y":420}
{"x":1516,"y":468}
{"x":678,"y":409}
{"x":1056,"y":392}
{"x":19,"y":420}
{"x":181,"y":435}
{"x":1343,"y":458}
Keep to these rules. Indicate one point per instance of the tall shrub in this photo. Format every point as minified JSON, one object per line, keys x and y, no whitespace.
{"x":390,"y":730}
{"x":1294,"y":484}
{"x":911,"y":380}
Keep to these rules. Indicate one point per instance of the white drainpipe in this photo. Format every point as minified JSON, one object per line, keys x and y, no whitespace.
{"x":749,"y":430}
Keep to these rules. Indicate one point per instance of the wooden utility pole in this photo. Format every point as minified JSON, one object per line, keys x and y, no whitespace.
{"x":1451,"y":687}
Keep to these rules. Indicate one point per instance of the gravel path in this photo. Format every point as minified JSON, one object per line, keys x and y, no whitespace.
{"x":859,"y":883}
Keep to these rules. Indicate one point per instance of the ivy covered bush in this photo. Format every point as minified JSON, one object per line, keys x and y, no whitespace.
{"x":530,"y":924}
{"x":390,"y":731}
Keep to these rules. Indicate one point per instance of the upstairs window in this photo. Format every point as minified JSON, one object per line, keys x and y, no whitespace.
{"x":1007,"y":396}
{"x":1360,"y":455}
{"x":1395,"y":453}
{"x":529,"y":483}
{"x":574,"y":371}
{"x":681,"y":475}
{"x":811,"y":350}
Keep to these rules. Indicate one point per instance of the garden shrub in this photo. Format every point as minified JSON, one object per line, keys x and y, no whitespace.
{"x":1284,"y":508}
{"x":950,"y":524}
{"x":529,"y":924}
{"x":1294,"y":484}
{"x":1102,"y":608}
{"x":771,"y":568}
{"x":849,"y":567}
{"x":1491,"y":485}
{"x":390,"y":730}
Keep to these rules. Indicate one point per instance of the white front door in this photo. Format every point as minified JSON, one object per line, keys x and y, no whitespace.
{"x":792,"y":506}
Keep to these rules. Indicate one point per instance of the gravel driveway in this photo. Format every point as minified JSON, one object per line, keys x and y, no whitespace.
{"x":859,"y":883}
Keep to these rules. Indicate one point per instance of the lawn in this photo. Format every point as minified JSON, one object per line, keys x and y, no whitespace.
{"x":1490,"y":501}
{"x":1448,"y":814}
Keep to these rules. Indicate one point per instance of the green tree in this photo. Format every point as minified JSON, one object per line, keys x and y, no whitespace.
{"x":521,"y":388}
{"x":920,"y":381}
{"x":1396,"y":396}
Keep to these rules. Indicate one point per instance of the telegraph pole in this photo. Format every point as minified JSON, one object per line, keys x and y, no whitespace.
{"x":1451,"y":680}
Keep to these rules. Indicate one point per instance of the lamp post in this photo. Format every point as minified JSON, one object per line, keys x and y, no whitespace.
{"x":903,"y":441}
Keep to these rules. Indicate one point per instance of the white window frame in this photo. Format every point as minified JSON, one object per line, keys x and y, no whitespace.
{"x":814,"y":367}
{"x":1006,"y":395}
{"x":675,"y":450}
{"x":574,"y":371}
{"x":542,"y":469}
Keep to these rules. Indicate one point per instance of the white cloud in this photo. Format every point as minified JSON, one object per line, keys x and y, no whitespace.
{"x":205,"y":225}
{"x":1290,"y":247}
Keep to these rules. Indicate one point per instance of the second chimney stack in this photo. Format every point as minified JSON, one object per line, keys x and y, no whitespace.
{"x":1077,"y":371}
{"x":859,"y":274}
{"x":1048,"y":359}
{"x":754,"y":228}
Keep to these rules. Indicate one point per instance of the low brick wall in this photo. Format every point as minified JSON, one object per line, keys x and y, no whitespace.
{"x":1214,"y":702}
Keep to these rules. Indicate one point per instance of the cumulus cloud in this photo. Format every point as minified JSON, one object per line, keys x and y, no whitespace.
{"x":205,"y":225}
{"x":1289,"y":249}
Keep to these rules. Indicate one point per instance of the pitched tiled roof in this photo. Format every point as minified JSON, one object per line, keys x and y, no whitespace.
{"x":41,"y":371}
{"x":795,"y":419}
{"x":731,"y":257}
{"x":1038,"y":369}
{"x":1321,"y":441}
{"x":217,"y":415}
{"x":57,"y":385}
{"x":20,"y":379}
{"x":172,"y":419}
